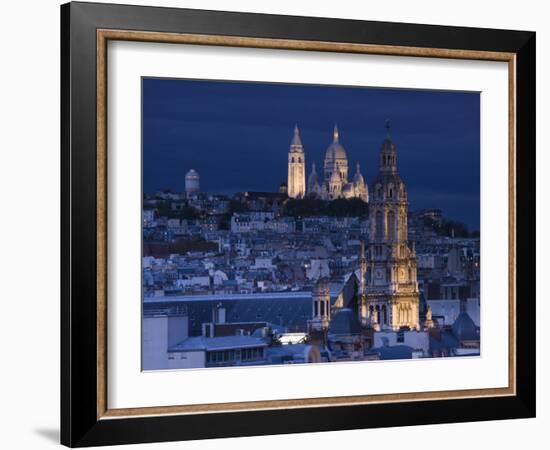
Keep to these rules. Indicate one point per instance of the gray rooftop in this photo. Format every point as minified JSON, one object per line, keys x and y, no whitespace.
{"x":394,"y":352}
{"x":217,"y":343}
{"x":212,"y":297}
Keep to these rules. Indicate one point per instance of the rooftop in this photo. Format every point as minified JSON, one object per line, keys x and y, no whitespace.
{"x":217,"y":343}
{"x":212,"y":297}
{"x":394,"y":352}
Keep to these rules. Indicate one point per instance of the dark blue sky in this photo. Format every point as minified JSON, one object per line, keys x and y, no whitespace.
{"x":237,"y":135}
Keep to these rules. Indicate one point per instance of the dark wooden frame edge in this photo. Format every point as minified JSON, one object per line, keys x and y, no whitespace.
{"x":79,"y":423}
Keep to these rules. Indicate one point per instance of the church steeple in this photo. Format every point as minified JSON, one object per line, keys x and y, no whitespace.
{"x":388,"y":153}
{"x":392,"y":262}
{"x":296,"y":142}
{"x":296,"y":167}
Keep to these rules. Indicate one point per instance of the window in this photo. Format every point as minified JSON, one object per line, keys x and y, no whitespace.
{"x":248,"y":354}
{"x":401,"y":336}
{"x":391,"y":224}
{"x":379,"y":223}
{"x":403,"y":226}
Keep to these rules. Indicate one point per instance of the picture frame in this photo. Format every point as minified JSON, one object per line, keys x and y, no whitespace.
{"x":86,"y":418}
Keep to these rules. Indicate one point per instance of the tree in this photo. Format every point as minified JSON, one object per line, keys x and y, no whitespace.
{"x":342,"y":207}
{"x":449,"y":227}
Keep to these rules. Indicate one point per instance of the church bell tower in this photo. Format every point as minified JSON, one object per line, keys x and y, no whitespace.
{"x":296,"y":167}
{"x":392,"y":296}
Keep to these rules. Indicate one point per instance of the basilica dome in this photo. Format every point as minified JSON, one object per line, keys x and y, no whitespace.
{"x":335,"y":150}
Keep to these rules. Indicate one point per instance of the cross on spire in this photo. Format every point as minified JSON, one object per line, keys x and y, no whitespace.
{"x":388,"y":126}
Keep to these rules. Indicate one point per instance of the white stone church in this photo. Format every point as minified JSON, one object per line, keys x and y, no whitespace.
{"x":335,"y":183}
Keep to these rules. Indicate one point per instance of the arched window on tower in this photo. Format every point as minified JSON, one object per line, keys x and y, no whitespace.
{"x":292,"y":160}
{"x":391,"y":226}
{"x":379,"y":224}
{"x":403,"y":226}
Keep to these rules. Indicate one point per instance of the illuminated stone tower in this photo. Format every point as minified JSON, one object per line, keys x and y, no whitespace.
{"x":192,"y":182}
{"x":296,"y":167}
{"x":320,"y":304}
{"x":363,"y":269}
{"x":391,"y":293}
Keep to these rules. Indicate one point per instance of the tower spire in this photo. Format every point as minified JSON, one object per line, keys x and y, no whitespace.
{"x":296,"y":140}
{"x":336,"y":134}
{"x":388,"y":153}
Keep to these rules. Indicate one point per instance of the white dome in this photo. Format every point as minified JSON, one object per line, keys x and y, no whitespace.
{"x":335,"y":151}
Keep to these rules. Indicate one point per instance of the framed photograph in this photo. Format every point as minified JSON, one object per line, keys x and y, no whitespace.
{"x":276,"y":224}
